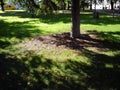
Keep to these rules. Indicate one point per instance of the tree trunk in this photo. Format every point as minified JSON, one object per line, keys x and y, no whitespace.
{"x":95,"y":13}
{"x":75,"y":18}
{"x":90,"y":4}
{"x":111,"y":2}
{"x":83,"y":5}
{"x":2,"y":5}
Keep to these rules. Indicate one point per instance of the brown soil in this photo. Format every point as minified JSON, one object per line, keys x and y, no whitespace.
{"x":65,"y":41}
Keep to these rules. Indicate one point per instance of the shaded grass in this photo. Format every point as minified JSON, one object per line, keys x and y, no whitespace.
{"x":80,"y":67}
{"x":39,"y":72}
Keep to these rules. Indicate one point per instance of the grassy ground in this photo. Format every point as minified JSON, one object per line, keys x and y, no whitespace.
{"x":33,"y":59}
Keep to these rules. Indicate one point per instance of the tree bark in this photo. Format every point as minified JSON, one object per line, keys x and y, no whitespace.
{"x":75,"y":18}
{"x":111,"y":2}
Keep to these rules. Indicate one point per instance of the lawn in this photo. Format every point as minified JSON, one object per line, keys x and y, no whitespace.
{"x":38,"y":54}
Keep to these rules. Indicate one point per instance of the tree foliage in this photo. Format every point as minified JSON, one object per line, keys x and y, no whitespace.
{"x":43,"y":6}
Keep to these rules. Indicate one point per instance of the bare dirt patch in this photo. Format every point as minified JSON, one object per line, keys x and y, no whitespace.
{"x":63,"y":41}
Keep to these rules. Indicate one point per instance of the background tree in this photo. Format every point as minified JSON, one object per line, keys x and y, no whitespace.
{"x":112,"y":4}
{"x":2,"y":5}
{"x":91,"y":4}
{"x":83,"y":4}
{"x":48,"y":6}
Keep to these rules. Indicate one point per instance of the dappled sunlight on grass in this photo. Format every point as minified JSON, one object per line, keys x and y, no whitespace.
{"x":38,"y":72}
{"x":36,"y":55}
{"x":106,"y":28}
{"x":18,"y":27}
{"x":104,"y":23}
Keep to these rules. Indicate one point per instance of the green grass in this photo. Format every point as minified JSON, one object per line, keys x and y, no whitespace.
{"x":18,"y":24}
{"x":95,"y":66}
{"x":106,"y":23}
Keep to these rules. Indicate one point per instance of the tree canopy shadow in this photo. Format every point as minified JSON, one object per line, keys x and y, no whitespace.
{"x":99,"y":76}
{"x":101,"y":40}
{"x":50,"y":18}
{"x":103,"y":20}
{"x":36,"y":72}
{"x":4,"y":44}
{"x":85,"y":18}
{"x":104,"y":70}
{"x":13,"y":73}
{"x":18,"y":13}
{"x":110,"y":40}
{"x":33,"y":72}
{"x":17,"y":29}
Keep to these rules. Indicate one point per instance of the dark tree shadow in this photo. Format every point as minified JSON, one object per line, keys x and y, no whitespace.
{"x":13,"y":73}
{"x":4,"y":44}
{"x":103,"y":77}
{"x":85,"y":18}
{"x":16,"y":75}
{"x":19,"y":13}
{"x":17,"y":29}
{"x":36,"y":72}
{"x":103,"y":20}
{"x":110,"y":40}
{"x":104,"y":71}
{"x":101,"y":40}
{"x":98,"y":75}
{"x":50,"y":18}
{"x":85,"y":40}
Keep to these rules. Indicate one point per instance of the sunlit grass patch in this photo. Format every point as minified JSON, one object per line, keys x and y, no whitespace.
{"x":91,"y":62}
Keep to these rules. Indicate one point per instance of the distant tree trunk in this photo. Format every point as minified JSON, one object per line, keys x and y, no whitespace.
{"x":69,"y":5}
{"x":90,"y":4}
{"x":95,"y":13}
{"x":2,"y":5}
{"x":111,"y":2}
{"x":75,"y":18}
{"x":83,"y":5}
{"x":63,"y":4}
